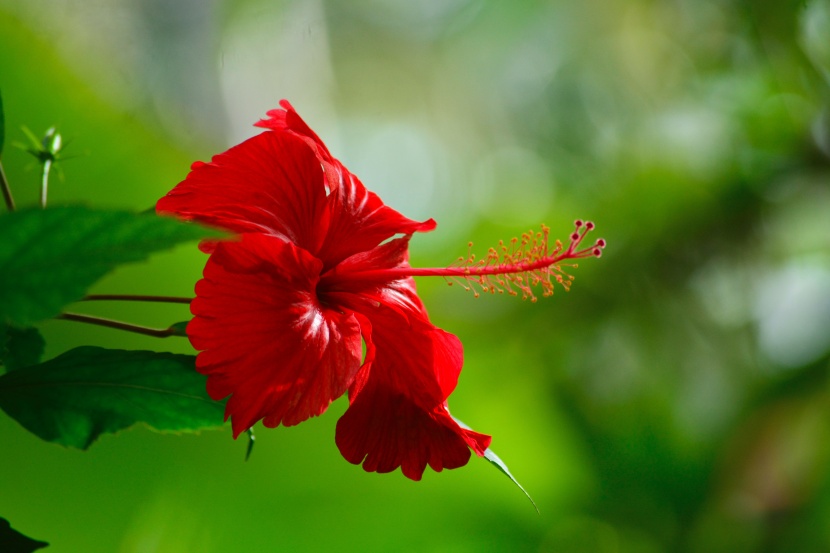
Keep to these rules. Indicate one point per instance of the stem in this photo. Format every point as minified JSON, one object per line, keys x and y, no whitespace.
{"x":88,"y":319}
{"x":133,"y":297}
{"x":7,"y":192}
{"x":44,"y":183}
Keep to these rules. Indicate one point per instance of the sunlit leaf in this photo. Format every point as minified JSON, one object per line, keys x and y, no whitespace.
{"x":20,"y":347}
{"x":12,"y":541}
{"x":50,"y":257}
{"x":88,"y":391}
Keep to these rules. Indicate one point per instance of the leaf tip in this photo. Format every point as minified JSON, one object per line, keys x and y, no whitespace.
{"x":495,"y":460}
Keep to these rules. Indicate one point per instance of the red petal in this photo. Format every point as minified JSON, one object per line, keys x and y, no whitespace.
{"x":388,"y":255}
{"x":360,"y":220}
{"x":271,"y":183}
{"x":287,"y":119}
{"x":384,"y":430}
{"x":416,"y":355}
{"x":362,"y":375}
{"x":266,"y":340}
{"x":398,"y":415}
{"x":365,"y":293}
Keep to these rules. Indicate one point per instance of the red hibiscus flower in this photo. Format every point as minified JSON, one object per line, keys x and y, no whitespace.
{"x":314,"y":299}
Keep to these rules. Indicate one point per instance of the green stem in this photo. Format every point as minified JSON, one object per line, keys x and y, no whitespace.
{"x":44,"y":183}
{"x":88,"y":319}
{"x":7,"y":192}
{"x":133,"y":297}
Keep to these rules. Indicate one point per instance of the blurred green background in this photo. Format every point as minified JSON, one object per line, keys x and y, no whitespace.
{"x":675,"y":400}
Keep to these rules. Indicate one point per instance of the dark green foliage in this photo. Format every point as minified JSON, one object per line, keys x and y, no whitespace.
{"x":12,"y":541}
{"x":20,"y":347}
{"x":50,"y":257}
{"x":76,"y":397}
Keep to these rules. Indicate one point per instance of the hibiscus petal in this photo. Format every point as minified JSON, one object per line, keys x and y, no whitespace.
{"x":391,"y":254}
{"x":368,"y":291}
{"x":362,"y":375}
{"x":287,"y":119}
{"x":398,"y":414}
{"x":384,"y":430}
{"x":360,"y":220}
{"x":361,"y":215}
{"x":424,"y":359}
{"x":264,"y":337}
{"x":271,"y":183}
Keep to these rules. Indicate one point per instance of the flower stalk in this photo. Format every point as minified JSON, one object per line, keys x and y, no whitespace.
{"x":174,"y":330}
{"x":118,"y":325}
{"x":134,"y":297}
{"x":44,"y":182}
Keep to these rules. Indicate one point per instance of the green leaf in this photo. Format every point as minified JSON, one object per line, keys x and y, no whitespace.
{"x":2,"y":126}
{"x":87,"y":391}
{"x":499,"y":464}
{"x":12,"y":541}
{"x":20,"y":347}
{"x":50,"y":257}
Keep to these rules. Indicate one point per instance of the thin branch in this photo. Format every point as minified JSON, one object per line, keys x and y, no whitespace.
{"x":88,"y":319}
{"x":133,"y":297}
{"x":7,"y":192}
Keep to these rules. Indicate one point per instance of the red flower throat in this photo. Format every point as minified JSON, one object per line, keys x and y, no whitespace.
{"x":319,"y":271}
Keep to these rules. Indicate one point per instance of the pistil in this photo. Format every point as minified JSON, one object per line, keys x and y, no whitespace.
{"x":514,"y":268}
